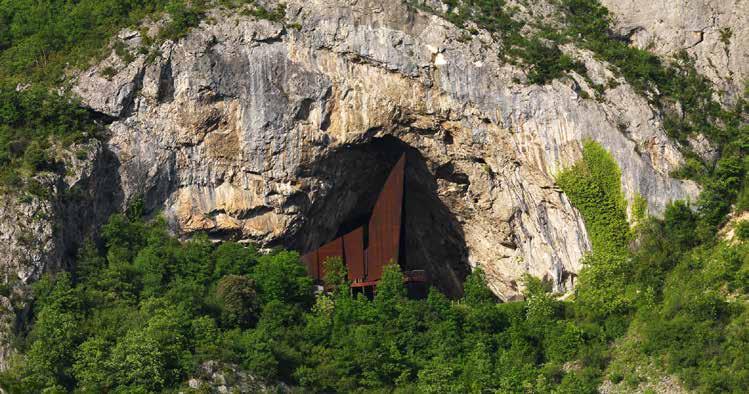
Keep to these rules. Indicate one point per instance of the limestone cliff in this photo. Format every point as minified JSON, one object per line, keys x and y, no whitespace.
{"x":714,"y":32}
{"x":281,"y":132}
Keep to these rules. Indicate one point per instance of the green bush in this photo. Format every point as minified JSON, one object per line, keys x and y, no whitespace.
{"x":275,"y":15}
{"x":742,"y":230}
{"x":238,"y":300}
{"x":182,"y":18}
{"x":548,"y":62}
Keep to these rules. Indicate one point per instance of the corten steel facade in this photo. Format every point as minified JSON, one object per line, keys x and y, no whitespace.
{"x":384,"y":238}
{"x":353,"y":250}
{"x":385,"y":224}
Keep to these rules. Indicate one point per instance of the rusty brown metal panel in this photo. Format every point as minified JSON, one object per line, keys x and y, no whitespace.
{"x":353,"y":248}
{"x":310,"y":261}
{"x":385,"y":223}
{"x":333,"y":248}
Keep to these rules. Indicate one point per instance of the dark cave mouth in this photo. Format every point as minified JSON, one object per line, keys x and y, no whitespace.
{"x":431,"y":237}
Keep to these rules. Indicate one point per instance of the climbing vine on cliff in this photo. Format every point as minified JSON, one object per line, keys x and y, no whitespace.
{"x":593,"y":185}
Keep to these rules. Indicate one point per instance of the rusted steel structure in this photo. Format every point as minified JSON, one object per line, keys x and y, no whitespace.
{"x":385,"y":224}
{"x":381,"y":235}
{"x":353,"y":251}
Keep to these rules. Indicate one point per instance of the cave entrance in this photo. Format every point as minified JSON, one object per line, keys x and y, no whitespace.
{"x":351,"y":179}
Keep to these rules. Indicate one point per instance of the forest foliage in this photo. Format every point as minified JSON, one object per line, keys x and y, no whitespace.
{"x":141,"y":313}
{"x":143,"y":310}
{"x":682,"y":298}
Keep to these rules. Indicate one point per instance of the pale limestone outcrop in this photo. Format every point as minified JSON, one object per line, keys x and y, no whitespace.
{"x":34,"y":229}
{"x":274,"y":134}
{"x":715,"y":32}
{"x":728,"y":230}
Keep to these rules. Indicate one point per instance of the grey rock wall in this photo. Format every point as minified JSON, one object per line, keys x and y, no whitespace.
{"x":227,"y":131}
{"x":279,"y":133}
{"x":43,"y":233}
{"x":716,"y":32}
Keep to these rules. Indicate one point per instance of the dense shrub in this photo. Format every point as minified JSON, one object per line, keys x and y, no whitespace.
{"x":238,"y":298}
{"x":547,"y":61}
{"x":742,"y":230}
{"x":143,"y":312}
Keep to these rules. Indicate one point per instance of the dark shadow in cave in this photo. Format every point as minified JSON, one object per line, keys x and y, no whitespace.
{"x":432,"y":238}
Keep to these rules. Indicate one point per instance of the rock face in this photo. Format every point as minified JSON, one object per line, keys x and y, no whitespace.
{"x":715,"y":32}
{"x":36,"y":232}
{"x":281,"y":134}
{"x":42,"y":233}
{"x":215,"y":377}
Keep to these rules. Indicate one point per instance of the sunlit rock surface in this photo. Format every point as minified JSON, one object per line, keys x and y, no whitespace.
{"x":282,"y":133}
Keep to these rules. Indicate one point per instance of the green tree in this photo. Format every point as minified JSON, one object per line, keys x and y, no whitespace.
{"x":194,"y":260}
{"x":335,"y":274}
{"x":92,"y":368}
{"x":238,"y":300}
{"x":89,"y":262}
{"x":138,"y":362}
{"x":207,"y":338}
{"x":742,"y":230}
{"x":477,"y":376}
{"x":233,"y":258}
{"x":390,"y":290}
{"x":53,"y":338}
{"x":281,"y":277}
{"x":475,"y":289}
{"x":679,"y":225}
{"x":438,"y":376}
